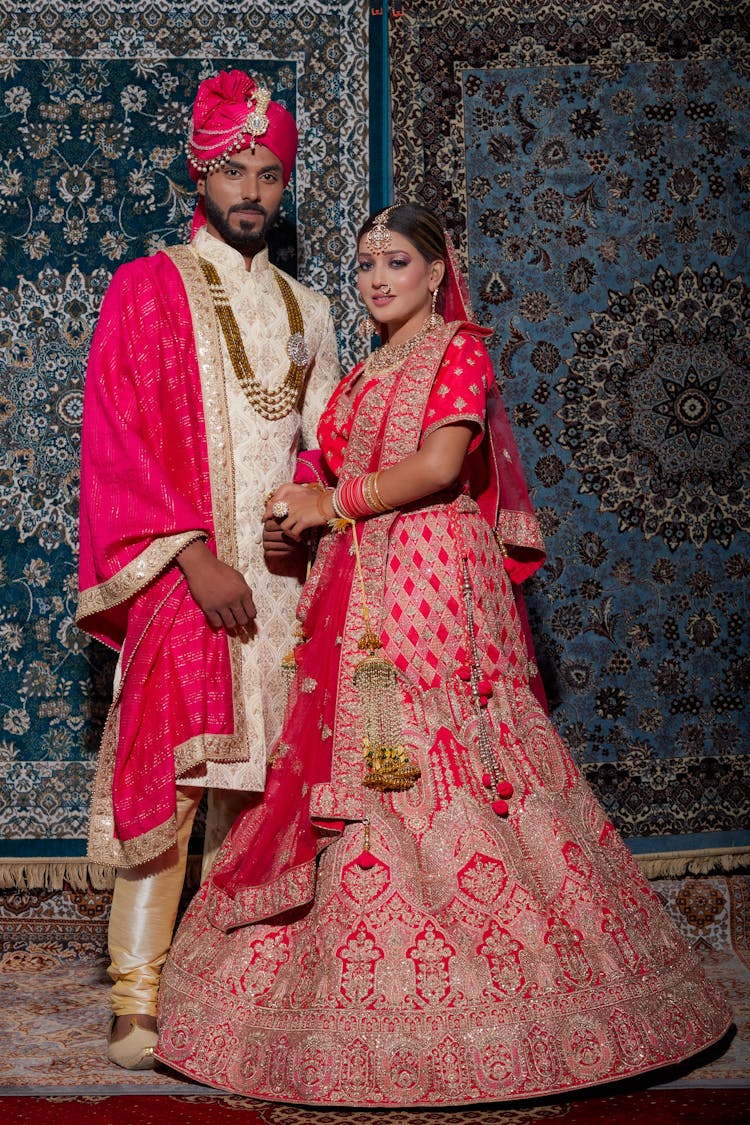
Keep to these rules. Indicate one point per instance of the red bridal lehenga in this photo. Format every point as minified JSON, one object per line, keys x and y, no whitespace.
{"x":426,"y":947}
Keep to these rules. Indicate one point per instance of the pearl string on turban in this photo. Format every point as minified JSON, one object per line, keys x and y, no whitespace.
{"x":231,"y":113}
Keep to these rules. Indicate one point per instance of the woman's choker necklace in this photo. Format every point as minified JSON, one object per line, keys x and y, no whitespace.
{"x":388,"y":356}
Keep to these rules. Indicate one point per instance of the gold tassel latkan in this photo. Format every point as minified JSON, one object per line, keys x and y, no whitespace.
{"x":389,"y":767}
{"x":289,"y":660}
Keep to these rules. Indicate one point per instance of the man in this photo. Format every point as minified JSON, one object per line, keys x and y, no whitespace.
{"x":207,"y":367}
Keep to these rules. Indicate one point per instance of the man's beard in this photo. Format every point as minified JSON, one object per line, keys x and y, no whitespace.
{"x":244,"y":241}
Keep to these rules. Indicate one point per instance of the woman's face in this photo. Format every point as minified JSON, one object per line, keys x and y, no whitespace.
{"x":397,"y":284}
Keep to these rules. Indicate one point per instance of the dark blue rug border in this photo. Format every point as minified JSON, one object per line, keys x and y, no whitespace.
{"x":381,"y":149}
{"x":639,"y":845}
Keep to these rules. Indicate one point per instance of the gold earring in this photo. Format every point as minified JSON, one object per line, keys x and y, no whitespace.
{"x":368,"y":327}
{"x":434,"y":320}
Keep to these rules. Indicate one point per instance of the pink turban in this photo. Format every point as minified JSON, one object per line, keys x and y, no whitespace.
{"x":231,"y":113}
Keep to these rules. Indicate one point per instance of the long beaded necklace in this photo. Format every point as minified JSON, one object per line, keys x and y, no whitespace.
{"x":277,"y":402}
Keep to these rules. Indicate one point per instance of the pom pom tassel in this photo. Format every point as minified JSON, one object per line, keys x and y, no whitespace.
{"x":366,"y":859}
{"x":504,"y":790}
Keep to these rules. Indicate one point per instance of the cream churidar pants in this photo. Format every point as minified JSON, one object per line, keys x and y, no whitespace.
{"x":146,"y":899}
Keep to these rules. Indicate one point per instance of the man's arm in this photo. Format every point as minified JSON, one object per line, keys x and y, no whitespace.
{"x":321,"y":383}
{"x":284,"y":555}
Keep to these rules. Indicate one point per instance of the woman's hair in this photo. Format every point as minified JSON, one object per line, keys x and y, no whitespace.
{"x":417,"y":224}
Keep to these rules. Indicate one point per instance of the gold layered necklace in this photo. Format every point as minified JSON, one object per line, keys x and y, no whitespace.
{"x":277,"y":402}
{"x":389,"y":355}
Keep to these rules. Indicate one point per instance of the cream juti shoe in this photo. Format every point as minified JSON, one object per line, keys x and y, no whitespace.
{"x":135,"y":1051}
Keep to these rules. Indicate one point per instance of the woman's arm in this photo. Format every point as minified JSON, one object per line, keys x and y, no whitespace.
{"x":433,"y":468}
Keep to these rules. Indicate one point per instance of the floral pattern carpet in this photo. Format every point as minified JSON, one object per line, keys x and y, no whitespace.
{"x":94,"y":101}
{"x":592,"y":163}
{"x":54,"y":986}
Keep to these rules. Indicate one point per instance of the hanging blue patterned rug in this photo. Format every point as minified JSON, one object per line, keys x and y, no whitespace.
{"x":604,"y":165}
{"x":95,"y":101}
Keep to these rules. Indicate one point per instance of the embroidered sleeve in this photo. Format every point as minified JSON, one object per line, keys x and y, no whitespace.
{"x":322,"y":382}
{"x":459,"y":393}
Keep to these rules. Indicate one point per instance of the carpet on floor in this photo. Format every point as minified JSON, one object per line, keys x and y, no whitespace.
{"x":55,"y":994}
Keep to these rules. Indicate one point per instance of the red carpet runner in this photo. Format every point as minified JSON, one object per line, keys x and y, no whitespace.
{"x":650,"y":1107}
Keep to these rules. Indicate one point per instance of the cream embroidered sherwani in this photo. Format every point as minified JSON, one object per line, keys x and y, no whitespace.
{"x":263,"y":454}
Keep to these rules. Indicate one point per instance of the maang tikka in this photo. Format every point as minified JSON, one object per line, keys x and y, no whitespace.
{"x":377,"y":240}
{"x":378,"y":237}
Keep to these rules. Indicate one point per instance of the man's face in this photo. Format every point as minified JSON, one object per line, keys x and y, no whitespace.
{"x":243,"y":198}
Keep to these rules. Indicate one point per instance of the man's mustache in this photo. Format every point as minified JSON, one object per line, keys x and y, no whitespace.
{"x":243,"y":208}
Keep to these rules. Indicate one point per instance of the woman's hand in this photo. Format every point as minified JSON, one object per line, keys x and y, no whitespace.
{"x":307,"y":506}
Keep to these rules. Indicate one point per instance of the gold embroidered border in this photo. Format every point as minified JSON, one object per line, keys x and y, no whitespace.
{"x":296,"y":886}
{"x":519,"y":529}
{"x":103,"y":846}
{"x":501,"y":1049}
{"x":220,"y":453}
{"x":449,"y":418}
{"x":203,"y":748}
{"x":135,"y":575}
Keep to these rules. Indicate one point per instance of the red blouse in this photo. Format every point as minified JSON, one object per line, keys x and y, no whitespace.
{"x":459,"y":394}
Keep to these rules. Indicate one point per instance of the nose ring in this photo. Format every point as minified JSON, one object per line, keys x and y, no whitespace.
{"x":386,"y":290}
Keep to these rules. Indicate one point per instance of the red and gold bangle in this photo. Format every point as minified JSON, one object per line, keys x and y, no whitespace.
{"x":346,"y":499}
{"x":357,"y":497}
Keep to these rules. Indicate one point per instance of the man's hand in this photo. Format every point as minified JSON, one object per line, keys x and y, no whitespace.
{"x":283,"y":554}
{"x":220,"y":590}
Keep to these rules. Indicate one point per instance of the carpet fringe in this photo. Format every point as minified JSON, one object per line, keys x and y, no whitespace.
{"x":51,"y":874}
{"x":79,"y":874}
{"x":666,"y":865}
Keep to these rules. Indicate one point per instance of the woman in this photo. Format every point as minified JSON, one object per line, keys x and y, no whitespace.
{"x":428,"y":906}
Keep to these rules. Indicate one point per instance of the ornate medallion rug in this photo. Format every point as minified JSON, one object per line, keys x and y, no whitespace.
{"x":591,"y":160}
{"x":94,"y":100}
{"x":54,"y":987}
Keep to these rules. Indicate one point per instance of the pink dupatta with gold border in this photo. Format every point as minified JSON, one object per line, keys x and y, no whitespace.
{"x":151,"y":409}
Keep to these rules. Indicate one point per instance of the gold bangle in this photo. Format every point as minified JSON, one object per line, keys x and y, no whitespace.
{"x":368,"y":496}
{"x":322,"y":493}
{"x":376,"y":493}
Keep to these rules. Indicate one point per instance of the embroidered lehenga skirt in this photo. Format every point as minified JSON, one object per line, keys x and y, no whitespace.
{"x":474,"y":957}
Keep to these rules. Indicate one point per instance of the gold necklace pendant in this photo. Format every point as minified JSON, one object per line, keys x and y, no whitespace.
{"x":276,"y":403}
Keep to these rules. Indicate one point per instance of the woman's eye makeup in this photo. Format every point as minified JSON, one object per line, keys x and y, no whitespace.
{"x":365,"y":265}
